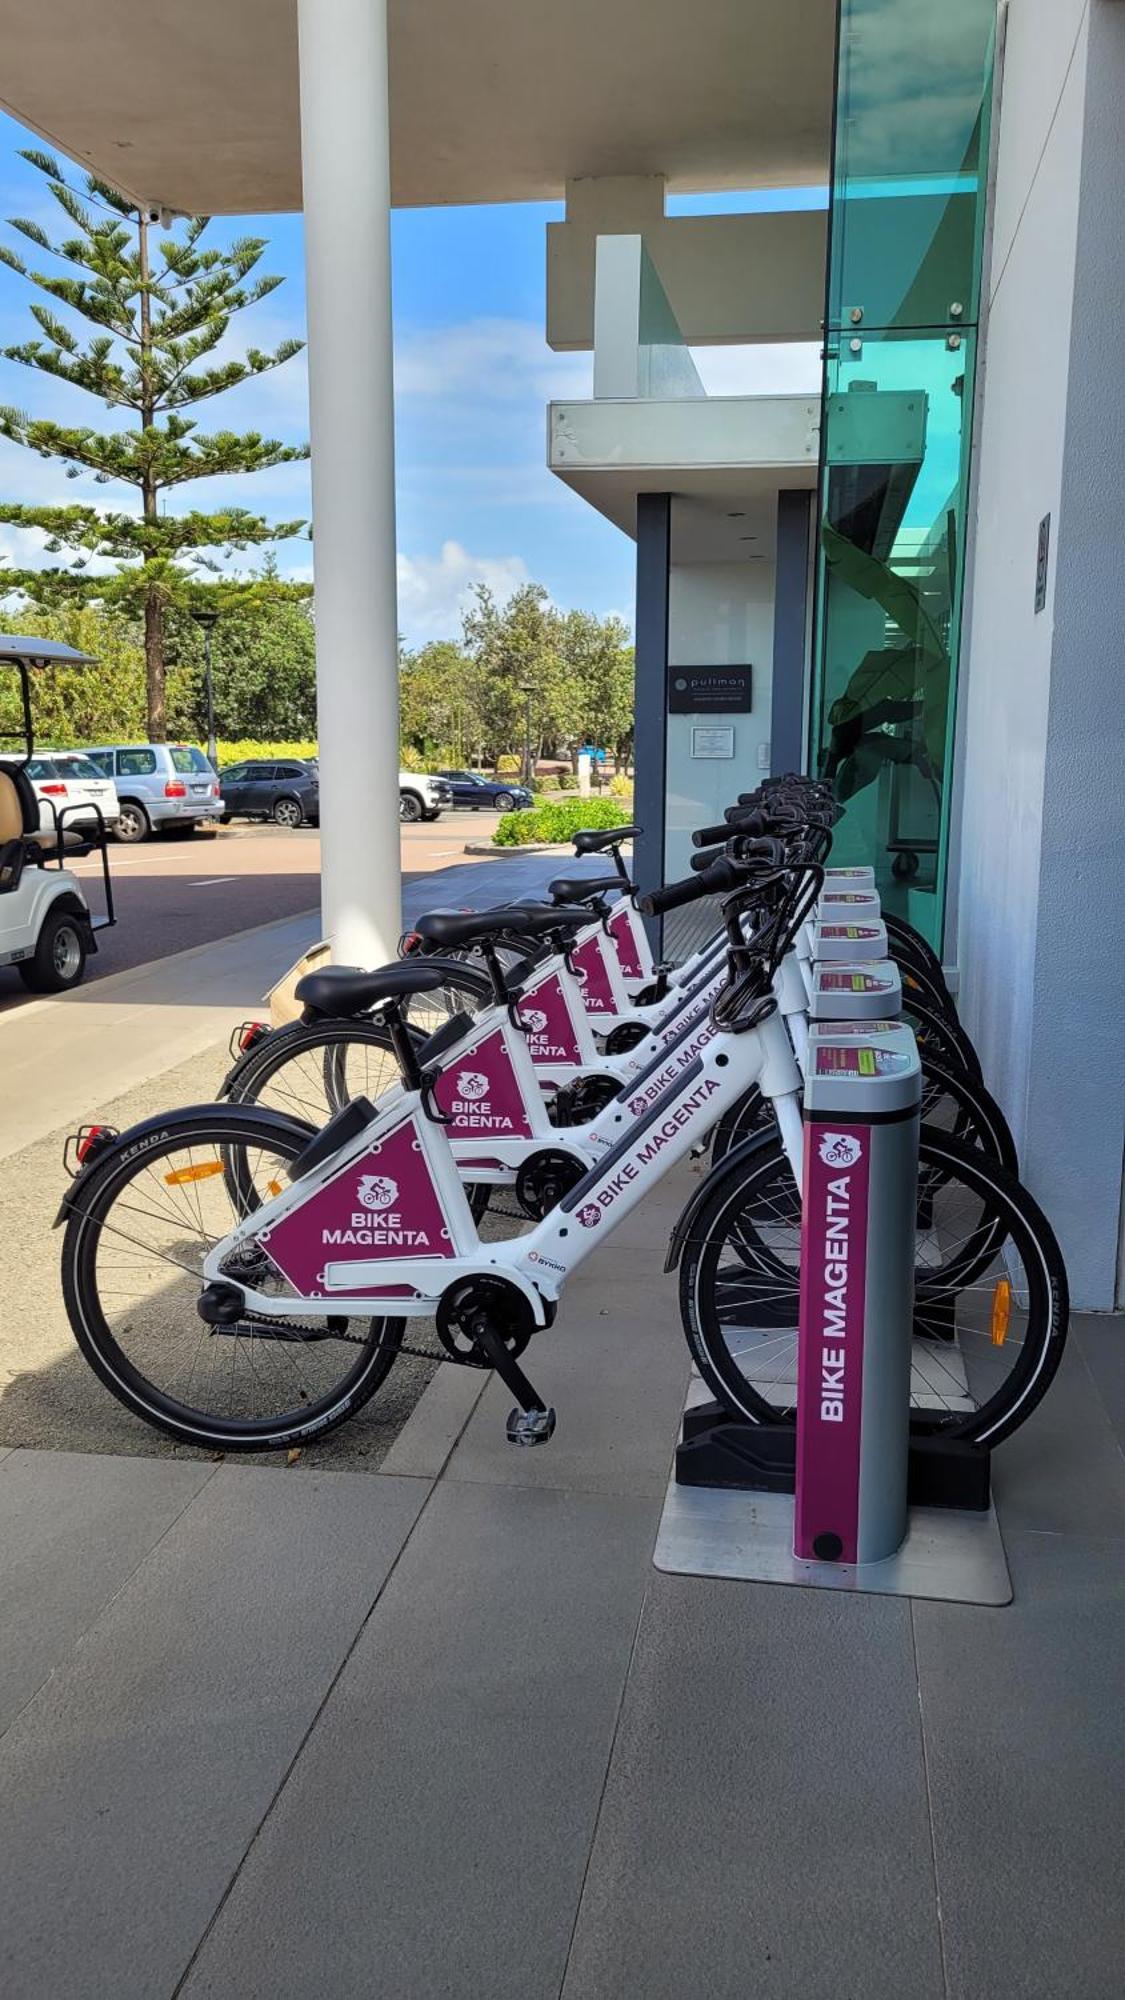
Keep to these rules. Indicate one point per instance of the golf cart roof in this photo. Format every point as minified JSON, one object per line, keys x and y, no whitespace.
{"x":17,"y":650}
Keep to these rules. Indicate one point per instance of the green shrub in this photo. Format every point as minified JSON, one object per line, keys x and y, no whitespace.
{"x":509,"y":766}
{"x":557,"y":820}
{"x":621,"y":786}
{"x":567,"y":781}
{"x":234,"y":750}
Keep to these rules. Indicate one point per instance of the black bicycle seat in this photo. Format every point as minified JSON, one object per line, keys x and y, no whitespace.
{"x":347,"y":989}
{"x":582,"y":888}
{"x":595,"y":839}
{"x":459,"y":927}
{"x":544,"y":917}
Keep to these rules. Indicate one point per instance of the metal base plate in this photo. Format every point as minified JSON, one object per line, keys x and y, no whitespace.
{"x":955,"y":1557}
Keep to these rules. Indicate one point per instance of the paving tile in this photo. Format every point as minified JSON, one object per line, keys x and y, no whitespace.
{"x":73,"y":1528}
{"x":615,"y":1366}
{"x":1022,"y":1717}
{"x":1101,"y":1342}
{"x":433,"y":1836}
{"x":1062,"y":1473}
{"x":130,"y":1787}
{"x":765,"y":1827}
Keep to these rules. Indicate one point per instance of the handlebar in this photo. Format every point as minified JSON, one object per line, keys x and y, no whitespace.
{"x":714,"y":880}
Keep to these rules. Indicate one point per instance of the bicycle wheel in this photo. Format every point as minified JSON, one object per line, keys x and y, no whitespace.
{"x":310,"y":1070}
{"x":941,"y":1037}
{"x":990,"y":1307}
{"x":912,"y":945}
{"x":952,"y":1102}
{"x":145,"y":1217}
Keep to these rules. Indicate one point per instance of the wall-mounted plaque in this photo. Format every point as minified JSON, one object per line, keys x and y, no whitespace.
{"x":709,"y":690}
{"x":717,"y":741}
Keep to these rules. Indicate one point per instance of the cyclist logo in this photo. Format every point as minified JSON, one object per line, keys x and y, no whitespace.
{"x":837,"y":1150}
{"x":471,"y":1085}
{"x":590,"y":1215}
{"x":376,"y":1191}
{"x":637,"y":1105}
{"x":533,"y":1020}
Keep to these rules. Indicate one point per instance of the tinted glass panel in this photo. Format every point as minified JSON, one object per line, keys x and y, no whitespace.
{"x":79,"y":767}
{"x":911,"y":147}
{"x":136,"y":763}
{"x":104,"y":761}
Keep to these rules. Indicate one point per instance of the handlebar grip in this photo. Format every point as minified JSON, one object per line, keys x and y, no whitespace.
{"x":706,"y":857}
{"x":741,"y":820}
{"x":707,"y":836}
{"x":713,"y":880}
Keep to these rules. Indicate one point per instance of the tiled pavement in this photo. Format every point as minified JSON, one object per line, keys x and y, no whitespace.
{"x":443,"y":1731}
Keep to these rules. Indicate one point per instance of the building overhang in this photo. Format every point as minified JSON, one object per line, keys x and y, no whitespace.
{"x":724,"y":454}
{"x":195,"y":107}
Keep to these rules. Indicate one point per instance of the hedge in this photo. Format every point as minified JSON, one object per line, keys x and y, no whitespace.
{"x":557,"y":820}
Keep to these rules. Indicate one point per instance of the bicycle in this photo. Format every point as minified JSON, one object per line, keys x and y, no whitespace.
{"x":241,"y":1284}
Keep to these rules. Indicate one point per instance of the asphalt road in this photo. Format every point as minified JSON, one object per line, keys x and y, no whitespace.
{"x":171,"y":894}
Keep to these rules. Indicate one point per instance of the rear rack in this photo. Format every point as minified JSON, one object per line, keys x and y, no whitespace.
{"x":99,"y":844}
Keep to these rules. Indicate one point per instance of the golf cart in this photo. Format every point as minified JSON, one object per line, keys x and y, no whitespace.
{"x":47,"y":928}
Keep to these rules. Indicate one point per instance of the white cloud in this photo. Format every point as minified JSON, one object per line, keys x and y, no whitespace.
{"x":434,"y":590}
{"x":769,"y":368}
{"x":489,"y":361}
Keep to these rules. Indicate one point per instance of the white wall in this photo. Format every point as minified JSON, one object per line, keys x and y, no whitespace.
{"x":719,"y":614}
{"x":1042,"y":698}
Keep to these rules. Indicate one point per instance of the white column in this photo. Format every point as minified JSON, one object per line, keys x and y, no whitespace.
{"x":346,"y":178}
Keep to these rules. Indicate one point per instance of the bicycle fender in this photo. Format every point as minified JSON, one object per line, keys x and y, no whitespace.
{"x":729,"y":1164}
{"x":137,"y":1139}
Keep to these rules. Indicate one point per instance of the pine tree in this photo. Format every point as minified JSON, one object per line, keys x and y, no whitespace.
{"x":160,"y":304}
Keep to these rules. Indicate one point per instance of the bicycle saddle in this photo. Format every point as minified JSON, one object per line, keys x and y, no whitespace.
{"x":595,"y":839}
{"x":347,"y":989}
{"x":582,"y":888}
{"x":459,"y":927}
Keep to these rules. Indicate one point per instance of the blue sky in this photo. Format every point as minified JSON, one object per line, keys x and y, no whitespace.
{"x":473,"y":376}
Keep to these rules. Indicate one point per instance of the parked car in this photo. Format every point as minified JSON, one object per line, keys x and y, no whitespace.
{"x":284,"y":789}
{"x":159,"y":785}
{"x":472,"y":788}
{"x":422,"y":796}
{"x":69,"y":781}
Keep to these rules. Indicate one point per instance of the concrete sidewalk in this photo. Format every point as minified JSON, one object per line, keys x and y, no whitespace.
{"x":443,"y":1731}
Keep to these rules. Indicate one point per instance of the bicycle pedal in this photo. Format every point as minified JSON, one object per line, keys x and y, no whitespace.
{"x":531,"y":1426}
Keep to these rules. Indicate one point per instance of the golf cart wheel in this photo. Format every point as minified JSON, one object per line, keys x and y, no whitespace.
{"x":60,"y":954}
{"x":504,"y":802}
{"x":287,"y":812}
{"x":410,"y":807}
{"x":132,"y":822}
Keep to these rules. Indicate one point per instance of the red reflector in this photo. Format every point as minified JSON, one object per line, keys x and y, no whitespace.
{"x":250,"y":1034}
{"x":86,"y":1139}
{"x":214,"y":791}
{"x":175,"y":789}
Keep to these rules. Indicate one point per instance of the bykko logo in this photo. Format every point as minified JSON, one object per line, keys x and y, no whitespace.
{"x":471,"y":1084}
{"x":838,"y":1150}
{"x":377,"y":1191}
{"x":590,"y":1215}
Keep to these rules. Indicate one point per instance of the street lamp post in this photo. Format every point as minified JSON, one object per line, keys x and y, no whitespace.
{"x":527,"y":693}
{"x":207,"y":621}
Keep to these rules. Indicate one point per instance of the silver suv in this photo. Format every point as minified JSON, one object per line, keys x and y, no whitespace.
{"x":159,"y":785}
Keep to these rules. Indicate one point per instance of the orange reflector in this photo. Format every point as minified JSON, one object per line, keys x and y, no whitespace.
{"x":180,"y":1175}
{"x":273,"y":1187}
{"x":1001,"y":1310}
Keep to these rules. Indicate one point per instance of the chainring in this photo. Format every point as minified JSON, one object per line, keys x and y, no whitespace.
{"x":506,"y":1309}
{"x":543,"y":1180}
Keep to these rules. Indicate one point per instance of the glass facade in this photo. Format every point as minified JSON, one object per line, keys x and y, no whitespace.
{"x":910,"y":155}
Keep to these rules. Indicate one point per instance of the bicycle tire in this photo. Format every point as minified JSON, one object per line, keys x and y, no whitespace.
{"x":916,"y":947}
{"x":942,"y":1037}
{"x":739,"y":1200}
{"x":93,"y":1202}
{"x":977,"y":1118}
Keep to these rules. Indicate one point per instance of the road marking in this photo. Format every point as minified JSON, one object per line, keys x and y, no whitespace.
{"x":210,"y":881}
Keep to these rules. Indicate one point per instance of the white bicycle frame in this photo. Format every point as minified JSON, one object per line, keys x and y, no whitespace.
{"x":299,"y":1227}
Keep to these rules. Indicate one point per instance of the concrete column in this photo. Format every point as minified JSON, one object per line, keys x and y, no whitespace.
{"x":346,"y":179}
